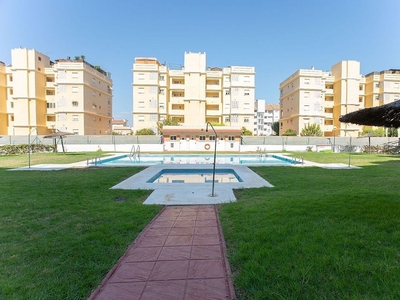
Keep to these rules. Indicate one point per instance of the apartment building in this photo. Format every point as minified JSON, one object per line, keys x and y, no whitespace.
{"x":192,"y":94}
{"x":312,"y":96}
{"x":3,"y":99}
{"x":382,"y":87}
{"x":264,"y":116}
{"x":44,"y":96}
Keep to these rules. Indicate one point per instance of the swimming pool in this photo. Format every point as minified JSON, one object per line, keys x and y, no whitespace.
{"x":157,"y":159}
{"x":195,"y":176}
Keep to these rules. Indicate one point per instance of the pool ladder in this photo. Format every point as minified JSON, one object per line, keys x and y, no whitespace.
{"x":300,"y":160}
{"x":92,"y":160}
{"x":135,"y":152}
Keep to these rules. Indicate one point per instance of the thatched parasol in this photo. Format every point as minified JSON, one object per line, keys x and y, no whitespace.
{"x":387,"y":115}
{"x":58,"y":135}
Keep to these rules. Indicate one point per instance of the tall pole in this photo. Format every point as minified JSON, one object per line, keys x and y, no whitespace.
{"x":334,"y":139}
{"x":215,"y":156}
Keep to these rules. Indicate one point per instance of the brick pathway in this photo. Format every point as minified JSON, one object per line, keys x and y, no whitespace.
{"x":179,"y":255}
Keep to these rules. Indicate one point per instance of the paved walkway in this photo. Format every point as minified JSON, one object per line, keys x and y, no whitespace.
{"x":179,"y":255}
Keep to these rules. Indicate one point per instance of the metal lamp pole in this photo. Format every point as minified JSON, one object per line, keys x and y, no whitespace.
{"x":334,"y":139}
{"x":215,"y":156}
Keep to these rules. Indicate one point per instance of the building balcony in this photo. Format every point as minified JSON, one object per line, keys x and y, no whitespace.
{"x":213,"y":113}
{"x":328,"y":91}
{"x":213,"y":87}
{"x":328,"y":115}
{"x":177,"y":86}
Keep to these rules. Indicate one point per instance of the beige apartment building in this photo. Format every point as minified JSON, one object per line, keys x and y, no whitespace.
{"x":382,"y":87}
{"x":192,"y":94}
{"x":43,"y":96}
{"x":312,"y":96}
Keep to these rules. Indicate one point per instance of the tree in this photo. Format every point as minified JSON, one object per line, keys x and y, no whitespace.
{"x":275,"y":128}
{"x":166,"y":122}
{"x":290,"y":132}
{"x":311,"y":130}
{"x":245,"y":131}
{"x":145,"y":131}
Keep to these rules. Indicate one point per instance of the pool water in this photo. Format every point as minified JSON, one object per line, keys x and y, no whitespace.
{"x":154,"y":159}
{"x":195,"y":176}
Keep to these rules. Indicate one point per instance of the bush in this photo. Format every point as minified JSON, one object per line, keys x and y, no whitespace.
{"x":25,"y":148}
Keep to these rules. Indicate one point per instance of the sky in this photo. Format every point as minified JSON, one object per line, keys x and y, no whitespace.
{"x":276,"y":37}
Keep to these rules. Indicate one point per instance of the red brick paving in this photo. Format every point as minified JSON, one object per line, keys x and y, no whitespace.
{"x":179,"y":256}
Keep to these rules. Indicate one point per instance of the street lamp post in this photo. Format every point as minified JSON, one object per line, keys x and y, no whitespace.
{"x":334,"y":139}
{"x":215,"y":156}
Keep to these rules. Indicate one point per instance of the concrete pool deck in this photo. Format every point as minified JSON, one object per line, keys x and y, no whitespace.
{"x":191,"y":193}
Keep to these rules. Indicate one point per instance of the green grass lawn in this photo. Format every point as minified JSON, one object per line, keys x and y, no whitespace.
{"x":62,"y":231}
{"x":318,"y":234}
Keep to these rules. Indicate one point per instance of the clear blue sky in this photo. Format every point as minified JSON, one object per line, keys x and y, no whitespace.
{"x":276,"y":37}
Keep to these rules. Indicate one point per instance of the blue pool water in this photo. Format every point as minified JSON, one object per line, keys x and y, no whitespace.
{"x":195,"y":176}
{"x":157,"y":159}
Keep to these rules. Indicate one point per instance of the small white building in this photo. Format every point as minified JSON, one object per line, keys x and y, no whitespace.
{"x":264,"y":116}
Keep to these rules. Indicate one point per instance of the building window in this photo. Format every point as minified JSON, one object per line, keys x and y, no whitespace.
{"x":377,"y":85}
{"x":306,"y":94}
{"x":140,"y":90}
{"x":153,"y":117}
{"x":161,"y":92}
{"x":247,"y":79}
{"x":227,"y":92}
{"x":211,"y":137}
{"x":94,"y":119}
{"x":12,"y":104}
{"x":93,"y":80}
{"x":75,"y":131}
{"x":231,"y":138}
{"x":226,"y":119}
{"x":51,"y":105}
{"x":306,"y":107}
{"x":162,"y":78}
{"x":172,"y":137}
{"x":246,"y":92}
{"x":75,"y":103}
{"x":94,"y":106}
{"x":235,"y":118}
{"x":39,"y":58}
{"x":94,"y":94}
{"x":141,"y":119}
{"x":108,"y":101}
{"x":202,"y":137}
{"x":141,"y":76}
{"x":75,"y":89}
{"x":396,"y":85}
{"x":141,"y":104}
{"x":246,"y":119}
{"x":74,"y":75}
{"x":306,"y":80}
{"x":246,"y":105}
{"x":75,"y":118}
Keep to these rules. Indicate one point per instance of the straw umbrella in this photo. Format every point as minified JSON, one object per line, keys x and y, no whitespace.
{"x":60,"y":135}
{"x":387,"y":115}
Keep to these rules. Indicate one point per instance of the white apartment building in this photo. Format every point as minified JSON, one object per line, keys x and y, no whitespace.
{"x":264,"y":116}
{"x":312,"y":96}
{"x":192,"y":94}
{"x":3,"y":99}
{"x":43,"y":96}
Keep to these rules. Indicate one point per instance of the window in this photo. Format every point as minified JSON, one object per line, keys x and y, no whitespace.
{"x":94,"y":119}
{"x":227,"y":92}
{"x":75,"y":118}
{"x":162,"y":105}
{"x":231,"y":138}
{"x":153,"y":103}
{"x":75,"y":89}
{"x":153,"y":117}
{"x":306,"y":120}
{"x":141,"y":104}
{"x":141,"y":76}
{"x":109,"y":101}
{"x":75,"y":131}
{"x":306,"y":107}
{"x":246,"y":92}
{"x":211,"y":137}
{"x":173,"y":138}
{"x":306,"y":94}
{"x":75,"y":103}
{"x":247,"y":79}
{"x":93,"y":80}
{"x":306,"y":80}
{"x":396,"y":85}
{"x":153,"y":75}
{"x":62,"y":117}
{"x":246,"y":119}
{"x":141,"y":119}
{"x":226,"y":119}
{"x":12,"y":105}
{"x":235,"y":118}
{"x":377,"y":85}
{"x":161,"y":92}
{"x":162,"y":78}
{"x":94,"y":106}
{"x":246,"y":105}
{"x":39,"y":58}
{"x":94,"y":94}
{"x":202,"y":137}
{"x":235,"y":104}
{"x":11,"y":92}
{"x":50,"y":105}
{"x":140,"y":90}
